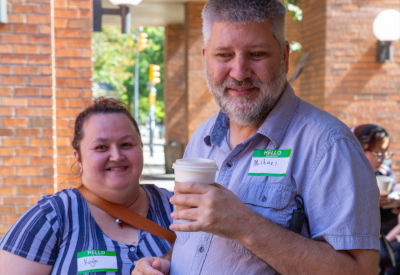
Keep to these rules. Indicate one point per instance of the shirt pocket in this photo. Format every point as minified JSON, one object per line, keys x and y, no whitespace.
{"x":272,"y":200}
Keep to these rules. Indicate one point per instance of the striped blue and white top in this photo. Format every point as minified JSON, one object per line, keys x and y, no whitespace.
{"x":60,"y":231}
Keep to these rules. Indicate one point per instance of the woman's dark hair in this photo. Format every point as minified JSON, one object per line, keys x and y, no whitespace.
{"x":369,"y":134}
{"x":100,"y":106}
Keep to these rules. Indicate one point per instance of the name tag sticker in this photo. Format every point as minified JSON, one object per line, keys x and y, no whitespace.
{"x":96,"y":261}
{"x":269,"y":162}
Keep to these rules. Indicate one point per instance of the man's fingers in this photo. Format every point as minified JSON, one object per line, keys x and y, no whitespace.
{"x":162,"y":265}
{"x":192,"y":187}
{"x":185,"y":214}
{"x":186,"y":226}
{"x":156,"y":264}
{"x":190,"y":200}
{"x":150,"y":266}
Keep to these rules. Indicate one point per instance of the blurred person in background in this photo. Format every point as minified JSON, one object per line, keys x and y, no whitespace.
{"x":375,"y":141}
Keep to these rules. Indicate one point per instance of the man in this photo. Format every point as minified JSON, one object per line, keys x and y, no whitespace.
{"x":269,"y":146}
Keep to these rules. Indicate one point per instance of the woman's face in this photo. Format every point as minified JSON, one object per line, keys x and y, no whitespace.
{"x":381,"y":147}
{"x":111,"y":156}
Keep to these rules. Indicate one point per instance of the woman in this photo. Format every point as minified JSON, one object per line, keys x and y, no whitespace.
{"x":64,"y":234}
{"x":375,"y":142}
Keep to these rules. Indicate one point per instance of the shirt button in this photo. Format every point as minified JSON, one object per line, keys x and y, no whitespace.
{"x":201,"y":249}
{"x":229,"y":164}
{"x":264,"y":198}
{"x":132,"y":249}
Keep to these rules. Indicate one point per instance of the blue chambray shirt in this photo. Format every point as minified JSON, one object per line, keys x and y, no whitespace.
{"x":327,"y":167}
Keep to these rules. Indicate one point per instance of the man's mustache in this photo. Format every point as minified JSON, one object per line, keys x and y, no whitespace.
{"x":246,"y":83}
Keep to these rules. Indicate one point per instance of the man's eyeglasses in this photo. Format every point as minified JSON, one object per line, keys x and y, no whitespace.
{"x":382,"y":156}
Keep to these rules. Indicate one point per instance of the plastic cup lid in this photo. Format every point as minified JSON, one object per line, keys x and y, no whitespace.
{"x":196,"y":164}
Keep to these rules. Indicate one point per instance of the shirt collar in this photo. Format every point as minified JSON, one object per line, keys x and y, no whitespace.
{"x":273,"y":127}
{"x":218,"y":130}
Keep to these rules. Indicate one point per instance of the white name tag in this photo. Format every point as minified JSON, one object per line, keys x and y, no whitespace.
{"x":96,"y":261}
{"x":268,"y":162}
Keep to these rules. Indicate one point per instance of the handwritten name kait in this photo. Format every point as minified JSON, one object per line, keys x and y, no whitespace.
{"x":90,"y":261}
{"x":96,"y":261}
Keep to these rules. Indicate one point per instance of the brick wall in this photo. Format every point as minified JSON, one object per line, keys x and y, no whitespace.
{"x":73,"y":70}
{"x":201,"y":105}
{"x":175,"y":99}
{"x":45,"y":73}
{"x":313,"y":35}
{"x":187,"y":100}
{"x":342,"y":75}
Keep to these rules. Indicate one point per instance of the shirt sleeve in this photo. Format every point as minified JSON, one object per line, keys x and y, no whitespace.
{"x":34,"y":235}
{"x":342,"y":198}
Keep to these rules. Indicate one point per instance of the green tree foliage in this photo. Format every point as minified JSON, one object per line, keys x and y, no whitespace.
{"x":112,"y":54}
{"x":114,"y":62}
{"x":293,"y":8}
{"x":296,"y":12}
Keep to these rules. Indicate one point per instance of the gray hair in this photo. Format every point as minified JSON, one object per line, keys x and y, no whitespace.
{"x":243,"y":11}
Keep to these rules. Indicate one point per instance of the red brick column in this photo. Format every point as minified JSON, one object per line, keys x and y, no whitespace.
{"x":73,"y":69}
{"x":25,"y":107}
{"x":175,"y":98}
{"x":313,"y":33}
{"x":200,"y":104}
{"x":40,"y":64}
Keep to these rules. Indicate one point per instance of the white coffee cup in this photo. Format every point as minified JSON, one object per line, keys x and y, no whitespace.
{"x":194,"y":170}
{"x":385,"y":184}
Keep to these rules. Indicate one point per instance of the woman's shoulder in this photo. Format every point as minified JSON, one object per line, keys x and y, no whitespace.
{"x":159,"y":198}
{"x":154,"y":190}
{"x":62,"y":198}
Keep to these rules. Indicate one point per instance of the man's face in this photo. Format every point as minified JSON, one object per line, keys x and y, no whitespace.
{"x":245,"y":69}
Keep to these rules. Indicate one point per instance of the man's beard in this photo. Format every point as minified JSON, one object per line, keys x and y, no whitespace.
{"x":253,"y":108}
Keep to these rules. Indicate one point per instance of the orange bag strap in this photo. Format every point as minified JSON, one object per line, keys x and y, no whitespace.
{"x":128,"y":216}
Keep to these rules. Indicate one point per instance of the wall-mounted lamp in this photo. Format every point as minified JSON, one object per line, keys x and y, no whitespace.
{"x":3,"y":11}
{"x":386,"y":29}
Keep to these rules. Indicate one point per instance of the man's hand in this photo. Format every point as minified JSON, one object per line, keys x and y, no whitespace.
{"x":151,"y":266}
{"x":214,"y":209}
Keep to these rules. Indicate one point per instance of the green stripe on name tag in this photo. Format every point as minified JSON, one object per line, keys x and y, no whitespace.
{"x":95,"y":253}
{"x":98,"y":270}
{"x":266,"y":174}
{"x":271,"y":153}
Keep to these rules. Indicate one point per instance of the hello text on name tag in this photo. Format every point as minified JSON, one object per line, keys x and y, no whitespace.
{"x":269,"y":162}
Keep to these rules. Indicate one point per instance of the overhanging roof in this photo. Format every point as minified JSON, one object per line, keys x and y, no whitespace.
{"x":150,"y":13}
